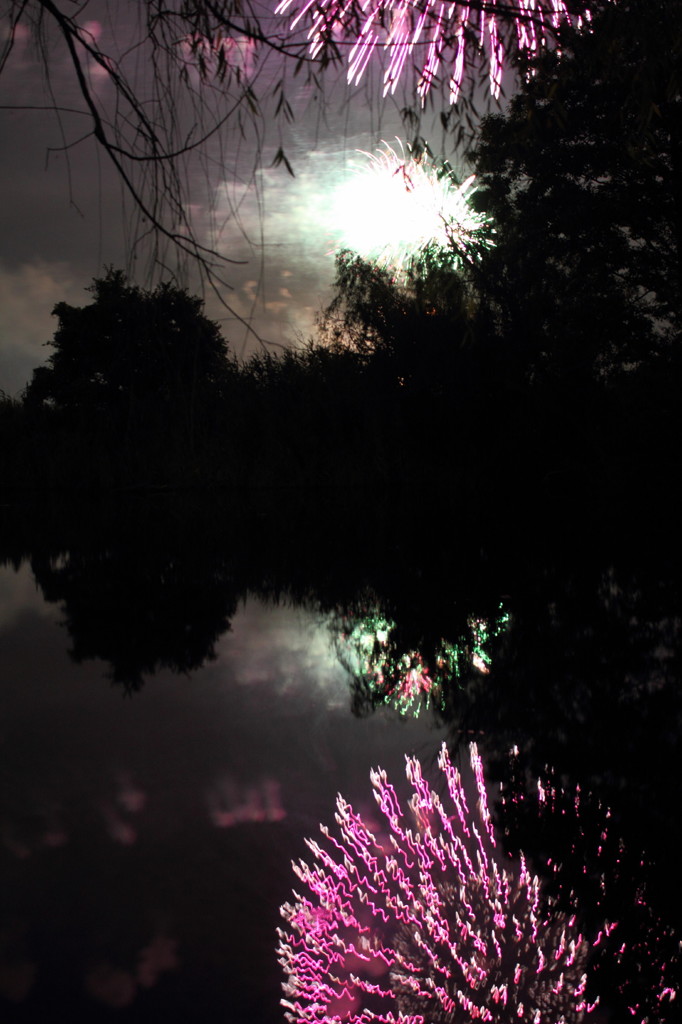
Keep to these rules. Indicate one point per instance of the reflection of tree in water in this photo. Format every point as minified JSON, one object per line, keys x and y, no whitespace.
{"x":587,"y":680}
{"x":383,"y":671}
{"x":152,"y":582}
{"x":425,"y":920}
{"x":140,"y":610}
{"x":589,"y":643}
{"x":585,"y":677}
{"x":143,"y":583}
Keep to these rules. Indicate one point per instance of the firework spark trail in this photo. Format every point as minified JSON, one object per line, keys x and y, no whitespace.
{"x":444,"y":30}
{"x":420,"y":922}
{"x":605,"y":873}
{"x":399,"y":208}
{"x":410,"y":680}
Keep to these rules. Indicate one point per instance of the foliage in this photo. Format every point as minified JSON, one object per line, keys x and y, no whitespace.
{"x":129,"y":346}
{"x":419,"y":335}
{"x":556,"y":350}
{"x":158,"y":87}
{"x":583,"y":281}
{"x":167,"y":88}
{"x":582,"y":176}
{"x":136,"y":370}
{"x":546,"y":364}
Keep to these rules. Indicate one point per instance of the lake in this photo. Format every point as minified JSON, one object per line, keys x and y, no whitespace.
{"x":188,"y":682}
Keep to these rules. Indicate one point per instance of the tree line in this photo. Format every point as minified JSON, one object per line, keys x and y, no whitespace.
{"x":548,"y":363}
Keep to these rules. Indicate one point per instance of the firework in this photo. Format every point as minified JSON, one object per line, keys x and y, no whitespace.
{"x":398,"y":208}
{"x":424,"y":920}
{"x":430,"y":34}
{"x":406,"y":679}
{"x":599,"y":870}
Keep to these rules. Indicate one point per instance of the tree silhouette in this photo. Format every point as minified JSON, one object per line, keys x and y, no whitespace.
{"x":134,"y":362}
{"x":141,"y":610}
{"x":582,"y":177}
{"x":144,"y":583}
{"x":554,"y":350}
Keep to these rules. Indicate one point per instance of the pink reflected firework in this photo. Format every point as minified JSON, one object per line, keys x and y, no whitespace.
{"x":422,"y":919}
{"x":434,"y":36}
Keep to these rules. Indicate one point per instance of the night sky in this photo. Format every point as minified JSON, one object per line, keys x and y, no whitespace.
{"x":65,"y":216}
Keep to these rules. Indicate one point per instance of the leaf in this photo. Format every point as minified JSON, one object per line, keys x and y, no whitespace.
{"x":281,"y":158}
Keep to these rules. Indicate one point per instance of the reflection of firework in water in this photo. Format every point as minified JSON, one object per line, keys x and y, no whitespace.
{"x":430,"y":35}
{"x":423,"y":923}
{"x":399,"y":208}
{"x":406,"y":680}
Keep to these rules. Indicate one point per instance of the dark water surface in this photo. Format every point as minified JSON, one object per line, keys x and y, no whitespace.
{"x":146,"y":841}
{"x":185,"y":687}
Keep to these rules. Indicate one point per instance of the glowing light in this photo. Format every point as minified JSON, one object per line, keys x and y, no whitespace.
{"x":424,"y":920}
{"x":597,"y":869}
{"x":398,"y":208}
{"x":435,"y":37}
{"x":407,"y":680}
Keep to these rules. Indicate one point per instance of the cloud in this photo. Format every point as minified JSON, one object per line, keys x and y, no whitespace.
{"x":28,"y":294}
{"x":287,"y":230}
{"x":20,"y":596}
{"x":288,"y":650}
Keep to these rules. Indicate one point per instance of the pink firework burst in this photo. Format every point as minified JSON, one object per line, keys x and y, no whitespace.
{"x":423,"y":920}
{"x":432,"y":34}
